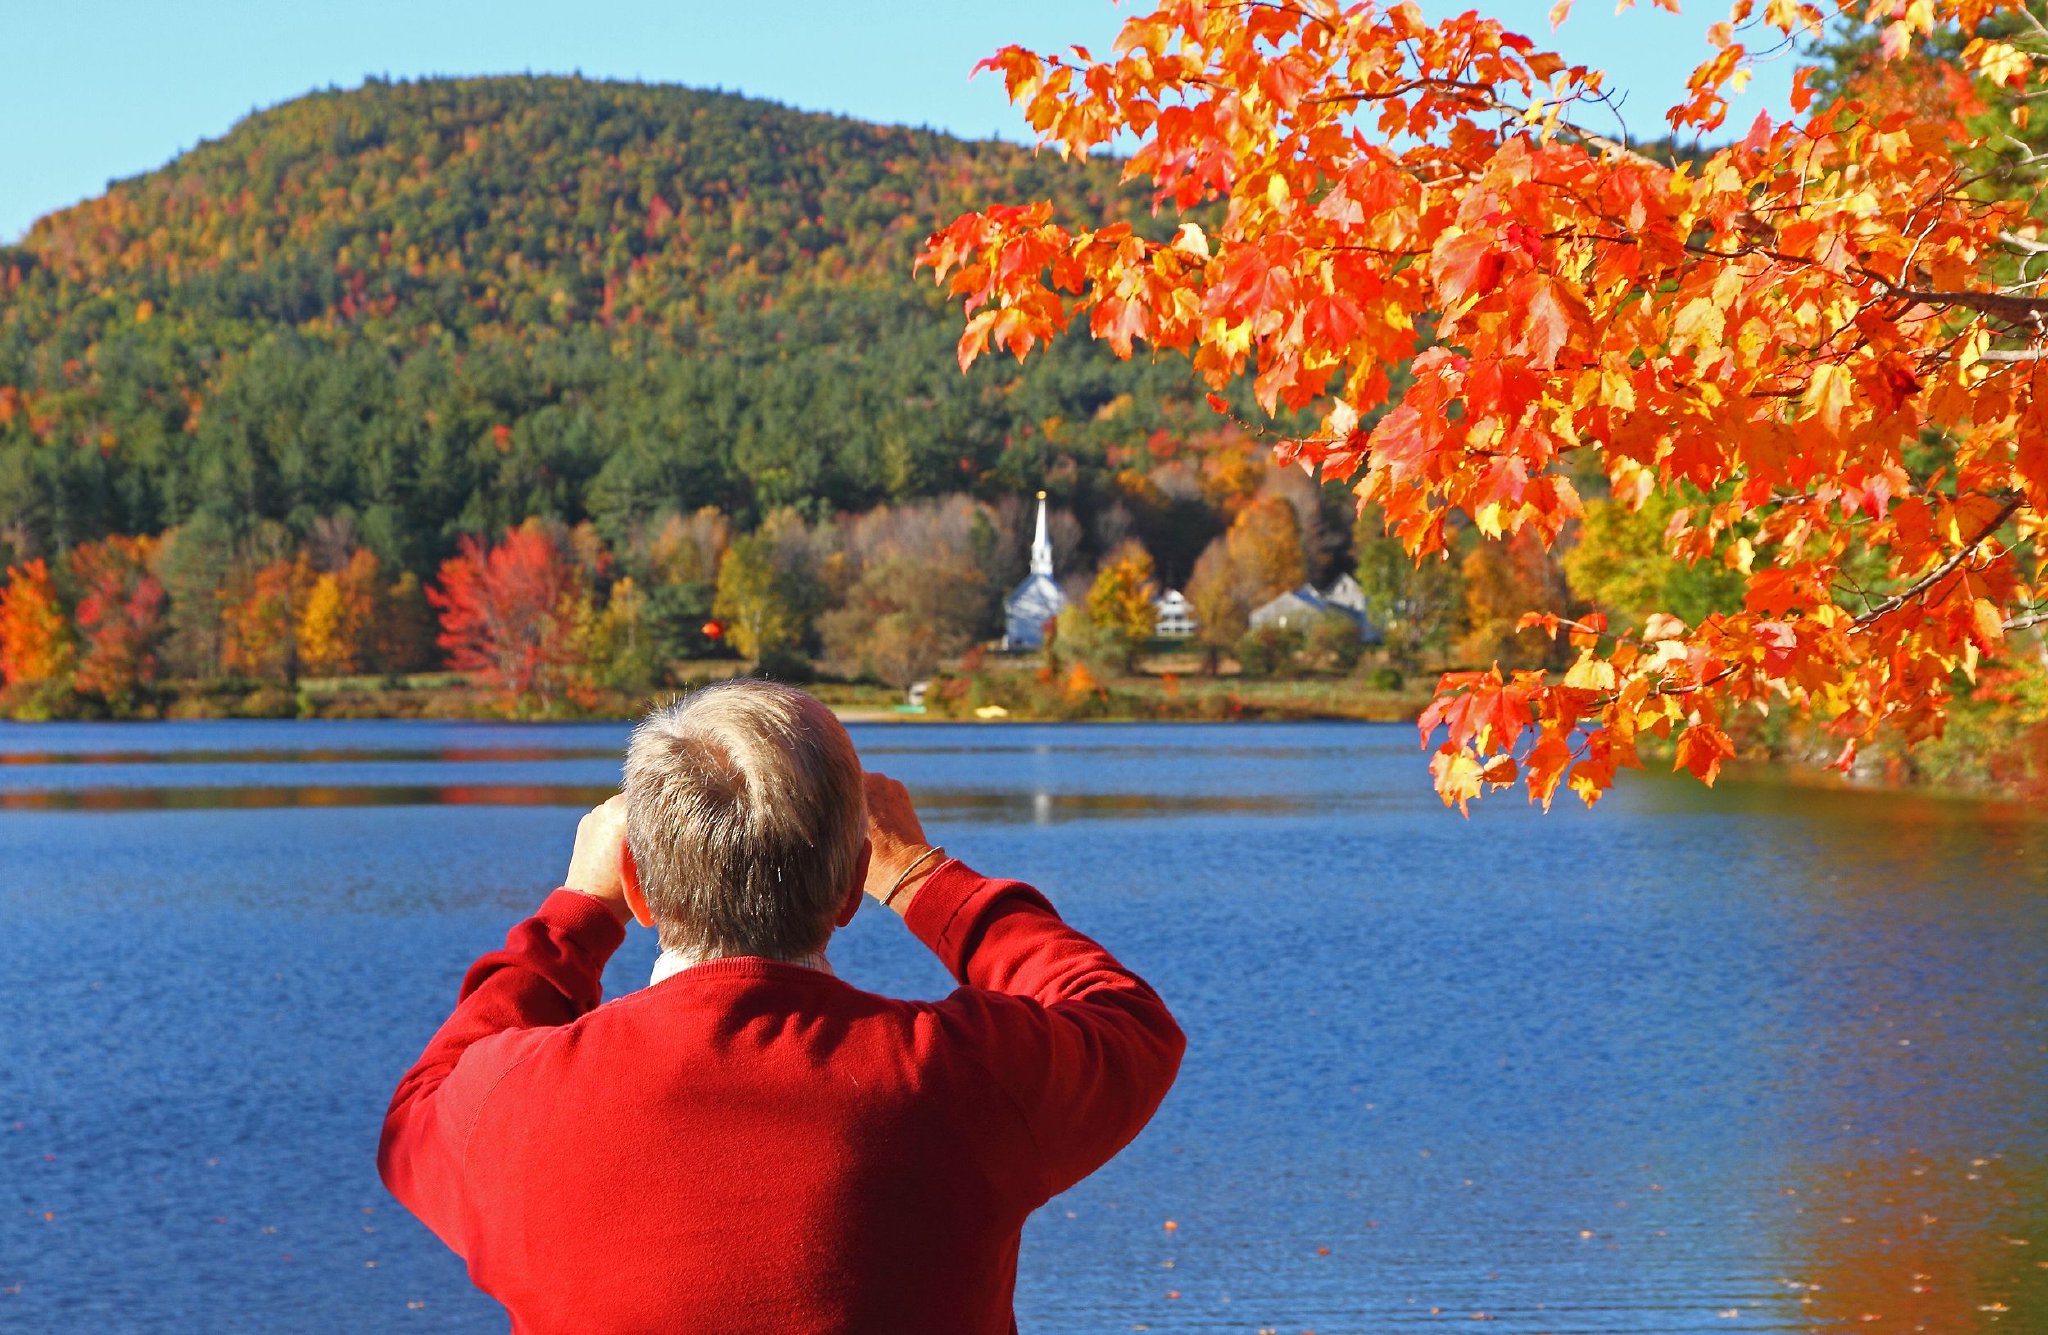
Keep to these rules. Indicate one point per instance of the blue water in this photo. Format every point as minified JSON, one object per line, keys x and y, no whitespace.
{"x":1755,"y":1059}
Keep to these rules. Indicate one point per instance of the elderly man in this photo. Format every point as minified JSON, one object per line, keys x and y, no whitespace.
{"x":750,"y":1144}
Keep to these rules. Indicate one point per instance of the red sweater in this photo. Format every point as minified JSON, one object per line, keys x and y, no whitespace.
{"x":756,"y":1146}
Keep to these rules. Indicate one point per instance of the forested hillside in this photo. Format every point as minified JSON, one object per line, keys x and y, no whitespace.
{"x":444,"y":307}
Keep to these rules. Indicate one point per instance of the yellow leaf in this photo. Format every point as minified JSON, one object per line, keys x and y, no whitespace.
{"x":1662,"y":626}
{"x":1700,"y":325}
{"x":1829,"y":392}
{"x":1591,"y":674}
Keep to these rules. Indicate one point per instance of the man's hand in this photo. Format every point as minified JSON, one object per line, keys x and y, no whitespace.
{"x":897,"y":839}
{"x":597,"y":868}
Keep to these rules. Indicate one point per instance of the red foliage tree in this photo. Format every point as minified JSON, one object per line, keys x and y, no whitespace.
{"x":120,"y":616}
{"x":508,"y":613}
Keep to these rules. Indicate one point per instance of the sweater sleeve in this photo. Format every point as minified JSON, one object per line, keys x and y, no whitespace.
{"x":1078,"y":1042}
{"x":549,"y":972}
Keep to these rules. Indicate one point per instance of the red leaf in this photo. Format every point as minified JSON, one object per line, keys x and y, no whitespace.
{"x":1467,"y":265}
{"x":1547,"y":315}
{"x":1545,"y":765}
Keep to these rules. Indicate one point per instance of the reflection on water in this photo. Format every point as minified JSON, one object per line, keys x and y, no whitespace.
{"x":1082,"y":744}
{"x":1922,"y":1242}
{"x":986,"y":805}
{"x":199,"y":798}
{"x":1047,"y":808}
{"x":1755,"y":1059}
{"x":307,"y":755}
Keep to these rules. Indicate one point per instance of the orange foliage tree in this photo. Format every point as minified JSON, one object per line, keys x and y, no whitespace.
{"x":35,"y":634}
{"x":509,"y":613}
{"x":1502,"y":583}
{"x":260,"y":612}
{"x":1823,"y":330}
{"x":119,"y":616}
{"x":1265,"y":543}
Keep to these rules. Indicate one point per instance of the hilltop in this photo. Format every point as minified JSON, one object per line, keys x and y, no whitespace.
{"x":447,"y":305}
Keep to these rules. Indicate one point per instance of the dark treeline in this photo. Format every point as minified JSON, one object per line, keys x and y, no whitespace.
{"x":437,"y":308}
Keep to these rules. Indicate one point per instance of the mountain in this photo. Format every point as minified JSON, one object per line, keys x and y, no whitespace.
{"x":439,"y":307}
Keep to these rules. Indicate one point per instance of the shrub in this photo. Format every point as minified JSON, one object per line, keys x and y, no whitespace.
{"x":1267,"y":650}
{"x":1334,"y":639}
{"x":785,"y":665}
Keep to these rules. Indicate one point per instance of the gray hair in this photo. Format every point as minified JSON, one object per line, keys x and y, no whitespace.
{"x":745,"y":813}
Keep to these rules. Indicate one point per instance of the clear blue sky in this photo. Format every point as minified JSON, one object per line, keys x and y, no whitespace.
{"x":96,"y":90}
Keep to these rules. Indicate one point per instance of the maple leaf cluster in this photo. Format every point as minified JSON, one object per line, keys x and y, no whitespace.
{"x":1813,"y":335}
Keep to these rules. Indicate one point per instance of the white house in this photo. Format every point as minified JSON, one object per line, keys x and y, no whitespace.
{"x":1297,"y":609}
{"x":1037,"y":600}
{"x":1345,"y":592}
{"x":1174,"y":616}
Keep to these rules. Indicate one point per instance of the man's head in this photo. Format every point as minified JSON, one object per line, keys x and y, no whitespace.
{"x":746,"y":821}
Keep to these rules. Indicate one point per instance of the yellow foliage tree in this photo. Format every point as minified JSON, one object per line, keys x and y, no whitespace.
{"x":334,"y":620}
{"x":1120,"y":602}
{"x":323,"y":640}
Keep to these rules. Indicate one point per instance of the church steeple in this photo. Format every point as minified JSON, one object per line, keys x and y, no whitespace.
{"x":1032,"y":605}
{"x":1041,"y":546}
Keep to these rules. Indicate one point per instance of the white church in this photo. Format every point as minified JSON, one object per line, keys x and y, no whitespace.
{"x":1037,"y":600}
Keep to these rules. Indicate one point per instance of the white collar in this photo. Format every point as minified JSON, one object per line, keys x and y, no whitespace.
{"x":674,"y":961}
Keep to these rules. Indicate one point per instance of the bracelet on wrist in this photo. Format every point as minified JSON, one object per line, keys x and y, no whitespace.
{"x":935,"y":851}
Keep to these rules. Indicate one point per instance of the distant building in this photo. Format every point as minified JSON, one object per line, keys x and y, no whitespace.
{"x":1174,"y":616}
{"x":1345,"y":592}
{"x":1297,"y":609}
{"x":1037,"y":600}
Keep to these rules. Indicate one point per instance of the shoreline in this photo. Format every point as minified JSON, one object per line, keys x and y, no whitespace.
{"x":1951,"y":767}
{"x":1010,"y":696}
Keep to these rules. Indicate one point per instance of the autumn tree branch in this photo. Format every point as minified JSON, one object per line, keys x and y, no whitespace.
{"x":1941,"y":572}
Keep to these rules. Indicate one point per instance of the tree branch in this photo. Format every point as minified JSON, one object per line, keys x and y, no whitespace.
{"x":1941,"y":572}
{"x":2019,"y":310}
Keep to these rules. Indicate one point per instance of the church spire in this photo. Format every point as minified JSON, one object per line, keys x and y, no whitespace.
{"x":1041,"y":546}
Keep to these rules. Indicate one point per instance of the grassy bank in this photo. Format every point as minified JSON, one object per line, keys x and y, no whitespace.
{"x":1012,"y":691}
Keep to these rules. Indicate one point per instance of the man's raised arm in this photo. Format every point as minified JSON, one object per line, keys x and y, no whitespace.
{"x":548,"y":973}
{"x":1082,"y":1045}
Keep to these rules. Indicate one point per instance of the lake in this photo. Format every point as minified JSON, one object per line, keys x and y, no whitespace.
{"x":1760,"y":1058}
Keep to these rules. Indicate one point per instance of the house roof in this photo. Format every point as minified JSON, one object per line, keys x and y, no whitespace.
{"x":1306,"y":599}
